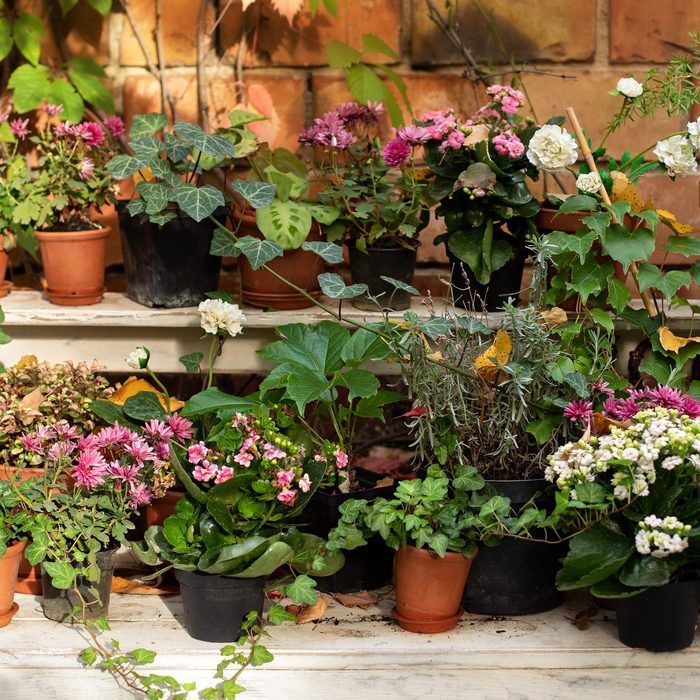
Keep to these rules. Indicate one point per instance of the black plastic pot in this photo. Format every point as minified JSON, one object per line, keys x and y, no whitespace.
{"x":169,"y":266}
{"x":367,"y":268}
{"x":58,"y":602}
{"x":515,"y":577}
{"x":215,"y":606}
{"x":660,"y":619}
{"x":367,"y":567}
{"x":505,"y":283}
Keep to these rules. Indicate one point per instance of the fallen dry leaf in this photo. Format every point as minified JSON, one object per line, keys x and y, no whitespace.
{"x":137,"y":587}
{"x":488,"y":364}
{"x":672,"y":342}
{"x":625,"y":191}
{"x":386,"y":481}
{"x":26,"y":361}
{"x":133,"y":386}
{"x":553,"y":317}
{"x":600,"y":424}
{"x":293,"y":609}
{"x":361,"y":599}
{"x":32,"y":400}
{"x":313,"y":613}
{"x":670,"y":220}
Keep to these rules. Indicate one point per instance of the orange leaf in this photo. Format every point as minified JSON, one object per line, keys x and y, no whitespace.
{"x":313,"y":613}
{"x":361,"y":599}
{"x":553,"y":317}
{"x":133,"y":386}
{"x":26,"y":361}
{"x":670,"y":220}
{"x":625,"y":191}
{"x":261,"y":102}
{"x":32,"y":400}
{"x":288,"y":8}
{"x":672,"y":342}
{"x":488,"y":364}
{"x":600,"y":424}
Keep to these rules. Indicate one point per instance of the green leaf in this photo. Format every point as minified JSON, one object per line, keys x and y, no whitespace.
{"x":143,"y":656}
{"x":333,"y":286}
{"x":257,"y":194}
{"x":83,"y":74}
{"x":371,"y":43}
{"x":667,"y":283}
{"x":572,"y":242}
{"x":602,"y":318}
{"x":209,"y":144}
{"x":305,"y":385}
{"x":67,"y":5}
{"x":398,"y":284}
{"x":6,"y":42}
{"x":618,"y":294}
{"x":643,"y":571}
{"x":579,"y":202}
{"x":591,"y":493}
{"x":29,"y":85}
{"x":259,"y":655}
{"x":341,"y":55}
{"x":543,"y":428}
{"x":62,"y":574}
{"x":146,"y":125}
{"x":197,"y":202}
{"x":578,"y":382}
{"x":589,"y":278}
{"x":192,"y":361}
{"x":111,"y":412}
{"x":122,"y":166}
{"x":144,"y":406}
{"x":213,"y":400}
{"x":364,"y":85}
{"x":330,"y":252}
{"x":302,"y":590}
{"x":597,"y":222}
{"x":360,"y":383}
{"x":88,"y":656}
{"x":626,"y":246}
{"x":277,"y":614}
{"x":323,"y":213}
{"x":37,"y":549}
{"x":61,"y":92}
{"x":685,"y":245}
{"x":258,"y":252}
{"x":223,"y":243}
{"x":286,"y":223}
{"x":104,"y":7}
{"x":27,"y":30}
{"x":276,"y":555}
{"x":372,"y":406}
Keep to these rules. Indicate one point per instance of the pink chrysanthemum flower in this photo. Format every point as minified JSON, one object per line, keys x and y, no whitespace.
{"x":413,"y":135}
{"x":139,"y":495}
{"x":665,"y":397}
{"x":114,"y":436}
{"x":115,"y":126}
{"x":691,"y":407}
{"x":90,"y":469}
{"x":158,"y":430}
{"x":579,"y":410}
{"x":32,"y":443}
{"x":19,"y":127}
{"x":181,"y":427}
{"x":53,"y":110}
{"x":91,"y":133}
{"x":140,"y":450}
{"x":86,"y":168}
{"x":126,"y":473}
{"x":396,"y":153}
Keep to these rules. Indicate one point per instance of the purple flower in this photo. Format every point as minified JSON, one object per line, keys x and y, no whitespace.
{"x":19,"y":127}
{"x":115,"y":126}
{"x":181,"y":427}
{"x":579,"y":410}
{"x":53,"y":110}
{"x":328,"y":131}
{"x":691,"y":407}
{"x":91,"y":133}
{"x":396,"y":153}
{"x":665,"y":397}
{"x":32,"y":443}
{"x":413,"y":135}
{"x":621,"y":409}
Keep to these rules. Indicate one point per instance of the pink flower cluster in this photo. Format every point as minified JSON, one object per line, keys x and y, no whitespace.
{"x":659,"y":397}
{"x":334,"y":129}
{"x":508,"y":144}
{"x":509,"y":99}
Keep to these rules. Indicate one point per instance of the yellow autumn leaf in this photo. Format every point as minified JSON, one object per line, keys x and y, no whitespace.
{"x":670,"y":220}
{"x":133,"y":386}
{"x":143,"y":175}
{"x":553,"y":317}
{"x":488,"y":364}
{"x":672,"y":342}
{"x":437,"y":356}
{"x":26,"y":361}
{"x":625,"y":191}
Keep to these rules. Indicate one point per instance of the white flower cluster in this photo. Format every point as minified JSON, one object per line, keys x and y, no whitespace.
{"x":589,"y":182}
{"x":661,"y":537}
{"x":658,"y":437}
{"x":629,"y":87}
{"x":552,"y":148}
{"x":138,"y":359}
{"x":677,"y":154}
{"x":217,"y":316}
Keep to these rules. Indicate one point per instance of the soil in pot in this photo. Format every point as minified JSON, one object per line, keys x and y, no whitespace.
{"x":368,"y":268}
{"x":429,"y":589}
{"x":515,"y":577}
{"x":505,"y":283}
{"x":660,"y":619}
{"x":366,"y":567}
{"x":169,"y":266}
{"x":263,"y":290}
{"x":9,"y":566}
{"x":74,"y":265}
{"x":58,"y":603}
{"x":215,"y":606}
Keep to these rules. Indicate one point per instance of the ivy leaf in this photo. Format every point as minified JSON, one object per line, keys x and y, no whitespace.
{"x":146,"y":125}
{"x":332,"y":286}
{"x":277,"y":614}
{"x":29,"y":85}
{"x":257,"y":251}
{"x":667,"y":283}
{"x":589,"y":278}
{"x":88,"y":656}
{"x":122,"y":166}
{"x":192,"y":361}
{"x":578,"y":383}
{"x":579,"y":202}
{"x":36,"y":550}
{"x":685,"y":245}
{"x":602,"y":319}
{"x":257,"y":194}
{"x":223,"y":244}
{"x":627,"y":247}
{"x":259,"y":655}
{"x":143,"y":656}
{"x":398,"y":284}
{"x":332,"y":253}
{"x":210,"y":144}
{"x":197,"y":202}
{"x":618,"y":294}
{"x":302,"y":590}
{"x":62,"y":574}
{"x":572,"y":242}
{"x":598,"y":222}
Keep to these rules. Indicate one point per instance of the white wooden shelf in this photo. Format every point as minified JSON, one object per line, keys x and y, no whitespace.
{"x":359,"y":655}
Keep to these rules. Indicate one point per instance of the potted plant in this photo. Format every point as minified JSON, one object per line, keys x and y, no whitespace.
{"x":433,"y":524}
{"x":292,"y":220}
{"x":171,"y":257}
{"x":634,"y":494}
{"x":318,"y":372}
{"x":478,"y":175}
{"x":62,"y":176}
{"x":245,"y":481}
{"x":80,"y":511}
{"x":15,"y":523}
{"x":379,"y":194}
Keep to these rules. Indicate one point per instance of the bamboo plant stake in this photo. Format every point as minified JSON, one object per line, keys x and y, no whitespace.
{"x":646,"y":299}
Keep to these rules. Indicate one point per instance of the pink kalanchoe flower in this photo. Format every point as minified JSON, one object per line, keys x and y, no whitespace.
{"x":249,"y":441}
{"x":91,"y":133}
{"x":205,"y":471}
{"x":341,"y":459}
{"x":413,"y":135}
{"x":284,"y":478}
{"x":225,"y":473}
{"x":53,"y":110}
{"x":273,"y":452}
{"x":287,"y":496}
{"x":181,"y":427}
{"x":139,"y":496}
{"x":396,"y":153}
{"x":579,"y":410}
{"x":19,"y":127}
{"x":243,"y":458}
{"x":305,"y":483}
{"x":509,"y":104}
{"x":90,"y":469}
{"x":196,"y":453}
{"x":115,"y":126}
{"x":158,"y":430}
{"x":86,"y":168}
{"x":508,"y":144}
{"x":454,"y":140}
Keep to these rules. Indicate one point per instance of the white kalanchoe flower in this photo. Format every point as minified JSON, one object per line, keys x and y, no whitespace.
{"x":629,"y":87}
{"x":138,"y":359}
{"x":589,"y":182}
{"x":218,"y":316}
{"x":552,"y":148}
{"x":677,"y":154}
{"x":694,"y":133}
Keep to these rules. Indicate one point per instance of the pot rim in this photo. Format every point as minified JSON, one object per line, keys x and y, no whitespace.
{"x":424,"y":553}
{"x":14,"y":549}
{"x":59,"y":236}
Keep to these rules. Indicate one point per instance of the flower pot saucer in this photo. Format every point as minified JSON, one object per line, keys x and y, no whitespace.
{"x":82,"y":298}
{"x":8,"y":615}
{"x":443,"y":624}
{"x":5,"y":288}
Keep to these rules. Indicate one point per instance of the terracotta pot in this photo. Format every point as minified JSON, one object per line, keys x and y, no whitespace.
{"x":9,"y":564}
{"x":301,"y":267}
{"x":74,"y":265}
{"x":5,"y":285}
{"x":161,"y":508}
{"x":429,"y":589}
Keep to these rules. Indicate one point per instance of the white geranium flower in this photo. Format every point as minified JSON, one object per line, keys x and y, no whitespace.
{"x":138,"y":359}
{"x":677,"y":154}
{"x":552,"y":148}
{"x":629,"y":87}
{"x":218,"y":316}
{"x":694,"y":133}
{"x":589,"y":182}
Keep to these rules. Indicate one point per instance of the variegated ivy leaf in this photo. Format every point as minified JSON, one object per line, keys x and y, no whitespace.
{"x":257,"y":194}
{"x":122,"y":166}
{"x":210,"y":144}
{"x":332,"y":286}
{"x":400,"y":285}
{"x":197,"y":202}
{"x":257,"y":251}
{"x":176,"y":149}
{"x":222,"y":244}
{"x":146,"y":125}
{"x":148,"y":147}
{"x":136,"y":206}
{"x":162,"y":218}
{"x":331,"y":252}
{"x":156,"y":194}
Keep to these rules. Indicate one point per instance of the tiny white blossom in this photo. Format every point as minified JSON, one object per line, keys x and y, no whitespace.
{"x":552,"y":148}
{"x":629,"y":87}
{"x":677,"y":154}
{"x":589,"y":182}
{"x":218,"y":316}
{"x":694,"y":133}
{"x":138,"y":359}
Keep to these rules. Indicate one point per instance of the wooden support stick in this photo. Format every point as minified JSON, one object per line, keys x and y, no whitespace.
{"x":648,"y":304}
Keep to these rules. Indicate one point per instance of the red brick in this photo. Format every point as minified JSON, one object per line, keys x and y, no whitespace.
{"x":647,"y":31}
{"x":304,"y":43}
{"x":546,"y":30}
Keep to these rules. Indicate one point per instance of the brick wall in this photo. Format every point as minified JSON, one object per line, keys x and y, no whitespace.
{"x":590,"y":42}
